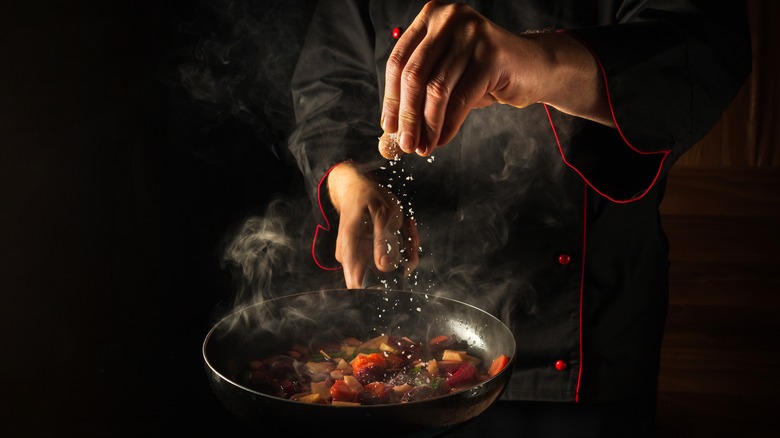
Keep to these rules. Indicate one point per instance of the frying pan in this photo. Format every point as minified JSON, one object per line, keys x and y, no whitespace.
{"x":262,"y":329}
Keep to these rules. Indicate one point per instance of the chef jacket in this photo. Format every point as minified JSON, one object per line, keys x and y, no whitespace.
{"x":548,"y":221}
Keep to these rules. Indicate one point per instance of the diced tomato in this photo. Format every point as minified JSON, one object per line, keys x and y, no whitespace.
{"x":376,"y":393}
{"x":369,"y":367}
{"x":341,"y":391}
{"x":362,"y":360}
{"x":464,"y":375}
{"x":498,"y":364}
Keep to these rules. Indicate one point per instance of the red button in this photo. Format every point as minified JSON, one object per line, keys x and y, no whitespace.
{"x":396,"y":33}
{"x":564,"y":259}
{"x":560,"y":365}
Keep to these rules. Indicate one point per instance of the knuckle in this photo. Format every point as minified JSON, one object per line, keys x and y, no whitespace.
{"x":408,"y":118}
{"x":390,"y":104}
{"x":438,"y":88}
{"x":412,"y":76}
{"x":431,"y":6}
{"x":395,"y":62}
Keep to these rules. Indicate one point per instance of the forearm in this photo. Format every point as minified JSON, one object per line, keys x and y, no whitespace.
{"x":566,"y":75}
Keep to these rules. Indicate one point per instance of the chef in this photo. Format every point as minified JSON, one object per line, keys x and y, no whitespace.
{"x":526,"y":147}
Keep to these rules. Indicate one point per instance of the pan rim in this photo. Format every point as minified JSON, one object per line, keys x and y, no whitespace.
{"x":213,"y":369}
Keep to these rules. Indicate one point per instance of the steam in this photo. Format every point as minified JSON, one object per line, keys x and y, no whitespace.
{"x":240,"y":68}
{"x":262,"y":246}
{"x":269,"y":254}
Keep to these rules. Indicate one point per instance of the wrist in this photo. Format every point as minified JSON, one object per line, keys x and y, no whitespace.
{"x":574,"y":83}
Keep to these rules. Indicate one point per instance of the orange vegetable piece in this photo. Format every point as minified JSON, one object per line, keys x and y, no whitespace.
{"x":439,"y":340}
{"x":342,"y":391}
{"x":364,"y":360}
{"x":498,"y":364}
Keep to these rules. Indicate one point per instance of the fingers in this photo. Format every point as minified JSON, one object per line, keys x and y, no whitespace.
{"x":425,"y":83}
{"x":353,"y":249}
{"x":470,"y":92}
{"x":387,"y":221}
{"x":410,"y":66}
{"x":425,"y":67}
{"x":369,"y":231}
{"x":446,"y":76}
{"x":388,"y":146}
{"x":394,"y":249}
{"x":394,"y":70}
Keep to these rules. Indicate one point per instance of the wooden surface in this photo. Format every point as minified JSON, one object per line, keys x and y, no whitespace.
{"x":720,"y":367}
{"x":748,"y":133}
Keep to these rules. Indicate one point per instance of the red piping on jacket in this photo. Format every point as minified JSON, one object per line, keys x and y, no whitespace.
{"x":582,"y":282}
{"x":585,"y":195}
{"x":319,"y":228}
{"x":617,"y":126}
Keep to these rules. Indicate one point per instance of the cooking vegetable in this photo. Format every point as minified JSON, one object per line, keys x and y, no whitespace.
{"x":498,"y":364}
{"x":383,"y":370}
{"x":465,"y":375}
{"x":368,"y":368}
{"x":347,"y":389}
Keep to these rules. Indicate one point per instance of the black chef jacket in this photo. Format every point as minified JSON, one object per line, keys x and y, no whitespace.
{"x":548,"y":221}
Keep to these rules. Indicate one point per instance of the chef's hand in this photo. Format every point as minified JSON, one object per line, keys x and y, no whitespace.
{"x":371,"y":222}
{"x":452,"y":59}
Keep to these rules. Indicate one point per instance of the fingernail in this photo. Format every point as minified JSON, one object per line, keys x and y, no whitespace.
{"x":388,"y":123}
{"x":407,"y":142}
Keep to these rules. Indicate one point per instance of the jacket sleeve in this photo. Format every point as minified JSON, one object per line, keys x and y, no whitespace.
{"x":671,"y":69}
{"x":335,"y":92}
{"x":336,"y":102}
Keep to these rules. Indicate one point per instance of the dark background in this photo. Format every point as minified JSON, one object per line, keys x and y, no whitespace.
{"x":135,"y":136}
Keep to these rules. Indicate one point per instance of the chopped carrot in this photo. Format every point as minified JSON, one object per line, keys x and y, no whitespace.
{"x":498,"y":364}
{"x":363,"y":360}
{"x":439,"y":340}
